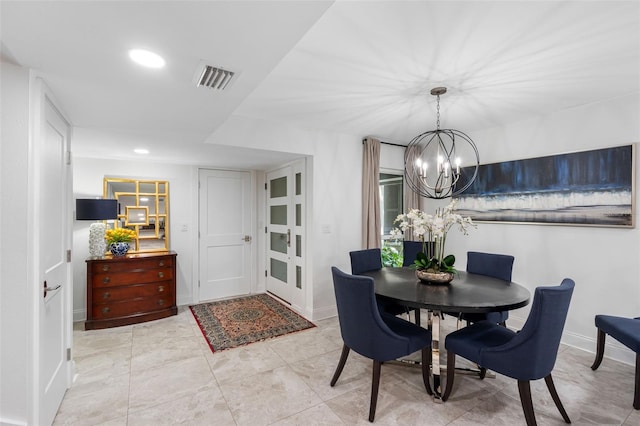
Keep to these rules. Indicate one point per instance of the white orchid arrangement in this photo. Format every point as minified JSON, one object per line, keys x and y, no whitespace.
{"x":432,"y":228}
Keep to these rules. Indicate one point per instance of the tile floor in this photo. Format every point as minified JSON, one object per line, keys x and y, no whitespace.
{"x":163,"y":373}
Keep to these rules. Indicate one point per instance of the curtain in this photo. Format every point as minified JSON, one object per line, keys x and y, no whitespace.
{"x":371,"y":221}
{"x":411,"y":198}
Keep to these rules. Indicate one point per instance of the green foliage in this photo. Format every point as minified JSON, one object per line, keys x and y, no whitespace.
{"x":423,"y":262}
{"x":391,"y":257}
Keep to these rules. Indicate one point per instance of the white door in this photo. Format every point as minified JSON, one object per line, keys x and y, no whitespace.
{"x":225,"y":234}
{"x":54,"y":310}
{"x":285,"y":232}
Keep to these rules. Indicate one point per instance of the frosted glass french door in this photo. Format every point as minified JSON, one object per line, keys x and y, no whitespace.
{"x":285,"y":231}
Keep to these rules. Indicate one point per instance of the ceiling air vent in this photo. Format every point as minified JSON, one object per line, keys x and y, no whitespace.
{"x":215,"y":78}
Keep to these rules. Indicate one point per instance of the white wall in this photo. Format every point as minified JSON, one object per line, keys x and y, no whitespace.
{"x":87,"y":183}
{"x":335,"y":175}
{"x":15,"y":322}
{"x":604,"y":262}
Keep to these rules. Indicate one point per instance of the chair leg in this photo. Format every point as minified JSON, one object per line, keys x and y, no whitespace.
{"x":554,"y":394}
{"x":524,"y":388}
{"x":636,"y":391}
{"x":341,"y":363}
{"x":451,"y":373}
{"x":375,"y":384}
{"x":426,"y":368}
{"x":602,"y":336}
{"x":504,"y":324}
{"x":482,"y":373}
{"x":417,"y":315}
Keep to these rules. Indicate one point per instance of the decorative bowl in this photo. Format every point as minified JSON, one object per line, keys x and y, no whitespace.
{"x":434,"y":277}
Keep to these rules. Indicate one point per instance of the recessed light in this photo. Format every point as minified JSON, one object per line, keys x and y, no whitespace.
{"x":141,"y":151}
{"x":146,"y":58}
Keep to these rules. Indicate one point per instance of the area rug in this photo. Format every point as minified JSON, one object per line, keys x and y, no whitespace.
{"x":235,"y":322}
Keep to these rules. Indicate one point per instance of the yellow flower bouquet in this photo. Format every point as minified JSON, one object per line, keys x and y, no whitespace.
{"x":118,"y":235}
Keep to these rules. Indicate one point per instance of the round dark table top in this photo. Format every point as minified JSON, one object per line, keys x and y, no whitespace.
{"x":468,"y":293}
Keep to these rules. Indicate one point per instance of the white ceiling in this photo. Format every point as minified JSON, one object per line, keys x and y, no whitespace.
{"x":356,"y":67}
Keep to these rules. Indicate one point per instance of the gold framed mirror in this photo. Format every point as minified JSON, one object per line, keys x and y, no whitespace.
{"x":143,"y":205}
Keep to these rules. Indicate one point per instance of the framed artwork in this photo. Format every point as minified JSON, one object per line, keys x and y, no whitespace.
{"x":590,"y":188}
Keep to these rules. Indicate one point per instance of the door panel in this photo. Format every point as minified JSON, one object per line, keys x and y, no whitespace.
{"x":279,"y":216}
{"x":54,"y":314}
{"x":225,"y":252}
{"x":285,"y":229}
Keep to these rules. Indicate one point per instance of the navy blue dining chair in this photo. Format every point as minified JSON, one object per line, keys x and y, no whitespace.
{"x":375,"y":335}
{"x":492,"y":265}
{"x":410,"y":250}
{"x":625,"y":331}
{"x":371,"y":260}
{"x":529,"y":354}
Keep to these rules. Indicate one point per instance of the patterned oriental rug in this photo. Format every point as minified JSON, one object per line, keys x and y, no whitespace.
{"x":235,"y":322}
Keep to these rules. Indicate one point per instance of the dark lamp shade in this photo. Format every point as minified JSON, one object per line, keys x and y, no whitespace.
{"x":96,"y":209}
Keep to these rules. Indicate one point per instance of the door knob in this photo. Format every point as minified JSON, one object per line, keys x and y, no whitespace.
{"x":46,"y":289}
{"x":246,"y":238}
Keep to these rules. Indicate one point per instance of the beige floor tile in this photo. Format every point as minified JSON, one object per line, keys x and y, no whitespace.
{"x":168,"y":382}
{"x":244,"y":361}
{"x":317,"y":373}
{"x":306,"y":344}
{"x":95,"y":402}
{"x":99,"y":366}
{"x":148,"y":354}
{"x":204,"y":406}
{"x":320,"y":415}
{"x":163,"y":372}
{"x":268,"y":397}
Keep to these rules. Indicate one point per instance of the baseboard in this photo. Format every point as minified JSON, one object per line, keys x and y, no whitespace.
{"x":79,"y":315}
{"x":324,"y":313}
{"x":9,"y":422}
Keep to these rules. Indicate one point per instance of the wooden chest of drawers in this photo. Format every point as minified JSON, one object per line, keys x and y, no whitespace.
{"x":130,"y":289}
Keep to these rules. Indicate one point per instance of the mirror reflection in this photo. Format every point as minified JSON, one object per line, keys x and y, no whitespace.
{"x":143,"y":205}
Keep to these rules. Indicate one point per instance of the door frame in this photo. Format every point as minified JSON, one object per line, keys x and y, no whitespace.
{"x":41,"y":95}
{"x":301,"y":299}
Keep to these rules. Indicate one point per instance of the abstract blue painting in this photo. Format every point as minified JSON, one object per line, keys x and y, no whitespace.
{"x":593,"y":188}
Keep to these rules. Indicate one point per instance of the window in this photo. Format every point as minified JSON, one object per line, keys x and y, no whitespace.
{"x":391,"y":197}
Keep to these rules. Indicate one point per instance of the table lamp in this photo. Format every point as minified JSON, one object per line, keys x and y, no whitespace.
{"x":96,"y":209}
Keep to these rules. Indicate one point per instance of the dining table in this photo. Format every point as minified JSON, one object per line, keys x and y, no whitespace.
{"x":466,"y":293}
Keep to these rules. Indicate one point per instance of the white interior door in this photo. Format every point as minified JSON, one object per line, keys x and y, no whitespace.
{"x":225,"y":234}
{"x":54,"y":309}
{"x":285,"y":232}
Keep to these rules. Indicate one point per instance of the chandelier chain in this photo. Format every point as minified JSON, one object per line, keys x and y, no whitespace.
{"x":438,"y":112}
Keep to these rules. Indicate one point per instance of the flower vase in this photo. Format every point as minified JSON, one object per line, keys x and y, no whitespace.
{"x":434,"y":277}
{"x":119,"y":248}
{"x":97,"y":245}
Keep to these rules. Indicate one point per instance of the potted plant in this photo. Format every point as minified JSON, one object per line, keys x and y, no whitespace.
{"x":432,"y":264}
{"x":118,"y":240}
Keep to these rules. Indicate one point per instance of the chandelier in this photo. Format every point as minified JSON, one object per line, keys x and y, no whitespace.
{"x":433,"y":160}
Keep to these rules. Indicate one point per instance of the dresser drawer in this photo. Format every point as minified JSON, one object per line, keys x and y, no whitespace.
{"x":130,"y":307}
{"x":130,"y":289}
{"x":131,"y":266}
{"x":114,"y":294}
{"x":106,"y":279}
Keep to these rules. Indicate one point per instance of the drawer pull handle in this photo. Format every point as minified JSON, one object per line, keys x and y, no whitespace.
{"x":105,"y":267}
{"x":106,"y":295}
{"x":161,"y":274}
{"x":160,"y":288}
{"x":106,"y":280}
{"x":161,"y":263}
{"x":106,"y":310}
{"x":161,"y":302}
